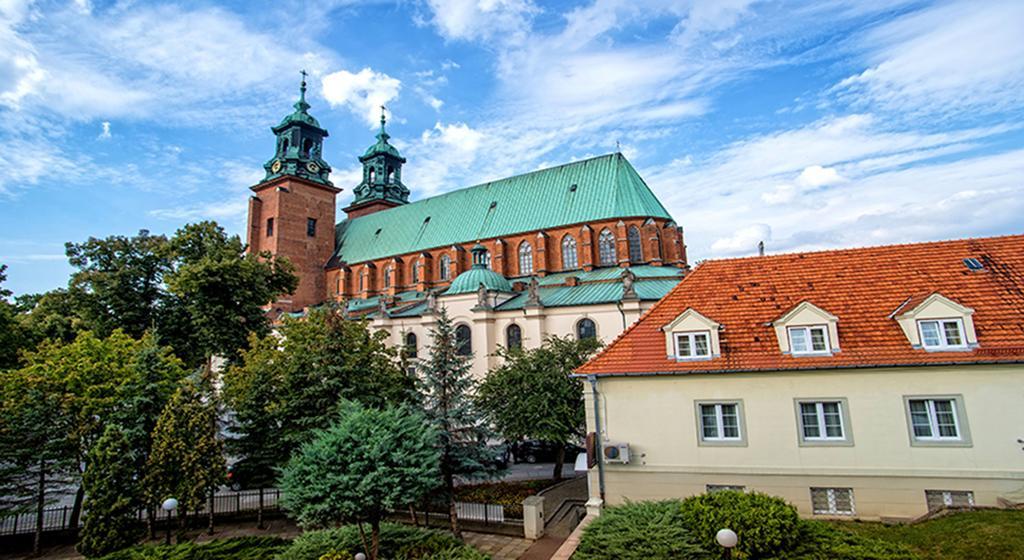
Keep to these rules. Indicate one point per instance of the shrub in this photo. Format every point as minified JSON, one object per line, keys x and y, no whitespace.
{"x":640,"y":531}
{"x":766,"y":525}
{"x":820,"y":541}
{"x":243,"y":548}
{"x":399,"y":542}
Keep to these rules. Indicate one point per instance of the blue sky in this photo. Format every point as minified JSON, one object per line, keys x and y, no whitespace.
{"x":805,"y":124}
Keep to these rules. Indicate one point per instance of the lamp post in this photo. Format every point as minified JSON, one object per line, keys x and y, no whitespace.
{"x":169,"y":505}
{"x":728,"y":539}
{"x":360,"y":556}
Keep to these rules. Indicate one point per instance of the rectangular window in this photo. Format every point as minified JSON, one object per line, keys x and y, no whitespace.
{"x":808,"y":340}
{"x":311,"y":227}
{"x":822,"y":421}
{"x":720,"y":422}
{"x":270,"y":227}
{"x":938,"y":499}
{"x":832,"y":501}
{"x":934,"y":419}
{"x":712,"y":488}
{"x":693,"y":345}
{"x":942,"y":334}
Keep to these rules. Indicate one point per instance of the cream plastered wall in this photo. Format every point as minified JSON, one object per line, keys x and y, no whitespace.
{"x":489,"y":327}
{"x":656,"y":416}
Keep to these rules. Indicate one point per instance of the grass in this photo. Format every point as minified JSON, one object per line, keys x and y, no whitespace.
{"x":995,"y":534}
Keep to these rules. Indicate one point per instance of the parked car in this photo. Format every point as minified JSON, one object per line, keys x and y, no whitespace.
{"x":536,"y":451}
{"x":502,"y":454}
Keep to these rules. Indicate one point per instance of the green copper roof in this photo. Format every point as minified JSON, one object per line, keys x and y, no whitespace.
{"x":471,"y":280}
{"x":594,"y":189}
{"x":382,"y":146}
{"x":591,"y":294}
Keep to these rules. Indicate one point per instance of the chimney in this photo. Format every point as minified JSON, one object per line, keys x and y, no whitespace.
{"x":760,"y":248}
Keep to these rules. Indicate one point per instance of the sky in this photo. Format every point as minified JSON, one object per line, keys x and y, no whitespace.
{"x":808,"y":125}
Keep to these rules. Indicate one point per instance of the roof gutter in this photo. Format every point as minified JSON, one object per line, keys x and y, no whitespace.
{"x":799,"y":369}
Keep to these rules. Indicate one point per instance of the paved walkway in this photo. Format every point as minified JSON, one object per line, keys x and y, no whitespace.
{"x":543,"y":549}
{"x":500,"y":547}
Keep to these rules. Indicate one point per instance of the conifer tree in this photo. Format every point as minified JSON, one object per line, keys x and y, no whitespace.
{"x":110,"y":522}
{"x":187,"y":459}
{"x":447,"y":388}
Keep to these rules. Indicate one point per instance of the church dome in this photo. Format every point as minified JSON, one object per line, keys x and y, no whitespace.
{"x":382,"y":146}
{"x":469,"y":281}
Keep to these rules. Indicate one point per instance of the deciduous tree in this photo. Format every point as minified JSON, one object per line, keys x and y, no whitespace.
{"x":531,"y":395}
{"x":369,"y":462}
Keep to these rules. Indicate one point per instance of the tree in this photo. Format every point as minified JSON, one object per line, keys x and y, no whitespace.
{"x":35,"y":448}
{"x":253,"y":391}
{"x":368,"y":463}
{"x":220,"y":291}
{"x":447,"y":388}
{"x":118,"y":284}
{"x":10,"y":333}
{"x":187,"y":459}
{"x":48,"y":316}
{"x":110,"y":522}
{"x":531,"y":395}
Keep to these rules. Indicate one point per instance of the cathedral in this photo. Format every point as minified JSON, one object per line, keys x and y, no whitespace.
{"x":583,"y":248}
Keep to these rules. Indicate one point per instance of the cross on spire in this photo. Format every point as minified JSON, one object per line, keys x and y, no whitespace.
{"x":302,"y":93}
{"x":383,"y":117}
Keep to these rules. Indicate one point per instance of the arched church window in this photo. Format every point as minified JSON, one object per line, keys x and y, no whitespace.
{"x":525,"y":259}
{"x":362,"y":280}
{"x":415,"y":272}
{"x":445,"y":267}
{"x":569,"y":257}
{"x":636,"y":252}
{"x":513,"y":337}
{"x":606,"y":248}
{"x":463,"y":340}
{"x":387,"y":276}
{"x":410,"y":345}
{"x":586,"y":328}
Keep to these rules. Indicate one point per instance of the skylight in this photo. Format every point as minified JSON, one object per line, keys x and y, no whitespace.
{"x":973,"y":264}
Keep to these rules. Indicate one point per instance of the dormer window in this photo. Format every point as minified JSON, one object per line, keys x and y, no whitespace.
{"x":693,"y":345}
{"x":942,"y":334}
{"x":809,"y":340}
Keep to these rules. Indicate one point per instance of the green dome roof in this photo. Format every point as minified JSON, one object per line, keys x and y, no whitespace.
{"x":382,"y":146}
{"x":469,"y":281}
{"x":300,"y":116}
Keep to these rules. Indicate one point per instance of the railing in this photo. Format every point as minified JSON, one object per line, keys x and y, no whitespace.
{"x":488,"y":513}
{"x":226,"y":504}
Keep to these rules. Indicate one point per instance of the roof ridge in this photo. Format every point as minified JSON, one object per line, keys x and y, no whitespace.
{"x":861,"y":248}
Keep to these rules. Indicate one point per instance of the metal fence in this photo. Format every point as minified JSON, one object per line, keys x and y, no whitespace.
{"x":488,"y":513}
{"x":227,"y":504}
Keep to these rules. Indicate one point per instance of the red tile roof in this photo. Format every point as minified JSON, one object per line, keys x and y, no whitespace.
{"x":862,"y":287}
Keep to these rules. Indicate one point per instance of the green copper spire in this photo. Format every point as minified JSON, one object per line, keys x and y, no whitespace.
{"x":299,"y":145}
{"x":382,"y":171}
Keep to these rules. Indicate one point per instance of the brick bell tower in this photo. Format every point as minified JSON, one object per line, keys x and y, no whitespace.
{"x":291,"y":213}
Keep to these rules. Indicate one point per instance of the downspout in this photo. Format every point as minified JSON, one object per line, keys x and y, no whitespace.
{"x":623,"y":313}
{"x":599,"y":451}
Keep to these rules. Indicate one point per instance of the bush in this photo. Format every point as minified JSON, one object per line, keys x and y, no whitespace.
{"x":398,"y":542}
{"x":820,"y":541}
{"x":640,"y":531}
{"x":766,"y":525}
{"x":243,"y":548}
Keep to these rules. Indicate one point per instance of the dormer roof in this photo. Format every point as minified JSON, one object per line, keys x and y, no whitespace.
{"x":866,"y":290}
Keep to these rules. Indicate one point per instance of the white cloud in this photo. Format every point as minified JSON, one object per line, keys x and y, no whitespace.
{"x":458,"y":136}
{"x":743,"y":240}
{"x":507,"y":20}
{"x":363,"y":93}
{"x":815,"y":176}
{"x":104,"y":131}
{"x":434,"y":102}
{"x":950,"y":58}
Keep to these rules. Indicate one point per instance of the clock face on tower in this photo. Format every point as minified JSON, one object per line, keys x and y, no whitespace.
{"x":313,"y":167}
{"x":276,"y":166}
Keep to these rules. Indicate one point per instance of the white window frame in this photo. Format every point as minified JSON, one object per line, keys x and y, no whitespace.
{"x":830,"y":497}
{"x":933,"y":419}
{"x":947,"y":497}
{"x":691,"y":336}
{"x":810,"y":351}
{"x":943,"y":339}
{"x":819,"y":407}
{"x":719,"y":423}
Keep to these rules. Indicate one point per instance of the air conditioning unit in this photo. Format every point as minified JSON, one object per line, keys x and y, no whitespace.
{"x":615,"y":452}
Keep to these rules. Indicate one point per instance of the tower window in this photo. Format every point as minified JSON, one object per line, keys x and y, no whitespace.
{"x":636,"y":252}
{"x":307,"y":146}
{"x":606,"y":248}
{"x":311,"y":227}
{"x":270,"y":227}
{"x":391,"y":175}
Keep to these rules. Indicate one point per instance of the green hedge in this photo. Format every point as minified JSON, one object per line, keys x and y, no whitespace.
{"x":243,"y":548}
{"x":639,"y":531}
{"x":397,"y":542}
{"x":768,"y":529}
